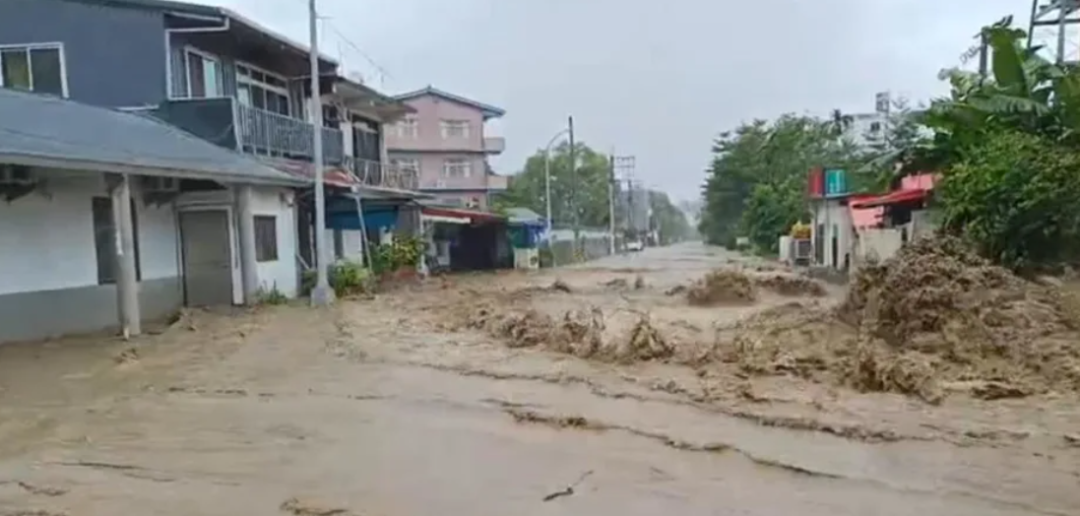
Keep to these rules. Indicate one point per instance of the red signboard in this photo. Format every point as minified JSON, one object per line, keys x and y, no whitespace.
{"x":816,"y":183}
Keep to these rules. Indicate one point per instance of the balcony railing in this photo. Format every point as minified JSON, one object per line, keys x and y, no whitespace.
{"x":374,"y":173}
{"x":494,"y":144}
{"x":267,"y":133}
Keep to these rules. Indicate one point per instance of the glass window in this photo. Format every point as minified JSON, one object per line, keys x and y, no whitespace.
{"x":203,"y":75}
{"x":32,"y":68}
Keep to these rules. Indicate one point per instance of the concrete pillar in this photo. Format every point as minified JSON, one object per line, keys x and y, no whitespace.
{"x":245,"y":219}
{"x":127,"y":282}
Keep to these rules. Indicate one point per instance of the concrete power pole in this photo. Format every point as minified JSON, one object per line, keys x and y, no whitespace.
{"x":611,"y":204}
{"x":621,"y":166}
{"x":322,"y":294}
{"x":574,"y":183}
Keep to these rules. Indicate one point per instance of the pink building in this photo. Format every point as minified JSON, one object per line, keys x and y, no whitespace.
{"x":446,"y":142}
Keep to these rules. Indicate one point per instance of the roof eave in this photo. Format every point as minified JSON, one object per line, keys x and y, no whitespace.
{"x":32,"y":160}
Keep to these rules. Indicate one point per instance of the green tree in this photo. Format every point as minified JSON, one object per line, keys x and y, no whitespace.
{"x":588,"y":188}
{"x":1015,"y":195}
{"x":757,"y":183}
{"x":670,"y":221}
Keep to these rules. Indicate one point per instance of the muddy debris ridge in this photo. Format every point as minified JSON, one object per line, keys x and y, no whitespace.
{"x":722,"y":287}
{"x":935,"y":318}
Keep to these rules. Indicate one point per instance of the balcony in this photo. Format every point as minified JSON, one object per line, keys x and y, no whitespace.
{"x":230,"y":124}
{"x":383,"y":175}
{"x":270,"y":134}
{"x":494,"y":144}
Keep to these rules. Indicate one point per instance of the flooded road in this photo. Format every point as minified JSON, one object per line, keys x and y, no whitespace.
{"x":398,"y":406}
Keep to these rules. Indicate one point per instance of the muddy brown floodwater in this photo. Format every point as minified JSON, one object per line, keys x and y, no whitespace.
{"x":587,"y":390}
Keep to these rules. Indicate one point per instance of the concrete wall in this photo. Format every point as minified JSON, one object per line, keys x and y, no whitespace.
{"x":113,"y":56}
{"x":47,"y":252}
{"x":877,"y":244}
{"x":431,"y":110}
{"x":282,"y":273}
{"x":837,"y":221}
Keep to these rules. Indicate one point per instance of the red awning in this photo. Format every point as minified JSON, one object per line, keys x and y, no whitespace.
{"x":897,"y":197}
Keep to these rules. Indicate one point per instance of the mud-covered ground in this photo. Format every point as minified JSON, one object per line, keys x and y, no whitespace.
{"x":610,"y":388}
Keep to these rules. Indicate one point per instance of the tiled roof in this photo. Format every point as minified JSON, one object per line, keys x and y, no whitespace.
{"x":45,"y":131}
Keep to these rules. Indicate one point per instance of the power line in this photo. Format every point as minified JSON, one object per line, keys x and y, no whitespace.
{"x":383,"y":74}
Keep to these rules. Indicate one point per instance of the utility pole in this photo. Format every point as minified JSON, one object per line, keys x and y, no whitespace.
{"x":573,"y":182}
{"x":622,"y":166}
{"x":322,"y":294}
{"x":611,"y":204}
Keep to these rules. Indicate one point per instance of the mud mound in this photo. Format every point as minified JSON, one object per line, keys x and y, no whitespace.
{"x":617,"y":284}
{"x":722,"y":286}
{"x":643,"y":342}
{"x":934,"y":318}
{"x":791,"y":285}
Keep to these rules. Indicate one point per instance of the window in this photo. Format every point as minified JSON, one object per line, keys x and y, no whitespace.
{"x":264,"y":90}
{"x":203,"y":75}
{"x":266,"y":238}
{"x":37,"y":68}
{"x":105,"y":241}
{"x":875,"y":127}
{"x":455,"y":129}
{"x":409,"y":165}
{"x":408,"y":128}
{"x":457,"y":167}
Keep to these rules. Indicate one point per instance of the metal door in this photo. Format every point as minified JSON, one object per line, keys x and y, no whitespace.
{"x":204,"y":237}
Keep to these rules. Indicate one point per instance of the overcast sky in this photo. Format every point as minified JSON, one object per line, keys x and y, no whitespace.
{"x":655,"y":79}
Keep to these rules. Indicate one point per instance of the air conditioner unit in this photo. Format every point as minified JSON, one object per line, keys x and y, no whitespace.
{"x":160,"y":184}
{"x":16,"y":175}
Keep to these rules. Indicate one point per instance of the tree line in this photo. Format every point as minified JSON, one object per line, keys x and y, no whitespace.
{"x":585,"y":189}
{"x":1005,"y":143}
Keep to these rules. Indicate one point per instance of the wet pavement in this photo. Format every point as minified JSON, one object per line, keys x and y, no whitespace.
{"x":381,"y":407}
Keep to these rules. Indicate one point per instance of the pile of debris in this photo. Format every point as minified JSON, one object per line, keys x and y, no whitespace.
{"x":722,"y":287}
{"x":935,"y":317}
{"x":788,"y":285}
{"x":582,"y":333}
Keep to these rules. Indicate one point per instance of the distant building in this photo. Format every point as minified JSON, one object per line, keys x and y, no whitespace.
{"x":447,"y":144}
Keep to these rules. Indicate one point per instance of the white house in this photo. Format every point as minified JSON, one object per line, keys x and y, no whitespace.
{"x":108,"y":219}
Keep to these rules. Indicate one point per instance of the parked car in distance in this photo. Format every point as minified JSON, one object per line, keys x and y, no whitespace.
{"x":635,"y":245}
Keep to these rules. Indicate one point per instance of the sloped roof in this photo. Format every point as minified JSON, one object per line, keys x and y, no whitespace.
{"x":49,"y":132}
{"x":189,"y":8}
{"x":488,"y":110}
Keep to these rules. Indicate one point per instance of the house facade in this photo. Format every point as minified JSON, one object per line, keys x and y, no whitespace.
{"x":110,"y":218}
{"x":446,"y":142}
{"x":215,"y":74}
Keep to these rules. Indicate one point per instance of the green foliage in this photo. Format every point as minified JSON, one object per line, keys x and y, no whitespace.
{"x":1015,"y":196}
{"x":401,"y":253}
{"x":273,"y":296}
{"x":670,"y":220}
{"x":757,"y":182}
{"x":588,"y":188}
{"x":347,"y":278}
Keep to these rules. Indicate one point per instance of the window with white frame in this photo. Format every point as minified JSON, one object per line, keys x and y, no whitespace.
{"x":457,"y":167}
{"x":406,"y":165}
{"x":37,"y":68}
{"x":455,"y":129}
{"x":408,"y":127}
{"x":264,"y":90}
{"x":203,"y":74}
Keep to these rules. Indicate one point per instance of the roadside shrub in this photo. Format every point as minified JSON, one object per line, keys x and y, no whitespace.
{"x":1015,"y":196}
{"x":347,"y":278}
{"x":273,"y":296}
{"x":402,"y":252}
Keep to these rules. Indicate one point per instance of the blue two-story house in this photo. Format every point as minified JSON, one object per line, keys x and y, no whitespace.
{"x":219,"y":76}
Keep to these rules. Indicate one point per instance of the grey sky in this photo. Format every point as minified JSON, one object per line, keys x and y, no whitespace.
{"x":657,"y":79}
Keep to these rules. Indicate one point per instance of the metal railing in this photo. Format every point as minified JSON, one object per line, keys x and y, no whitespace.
{"x":374,"y":173}
{"x":272,"y":134}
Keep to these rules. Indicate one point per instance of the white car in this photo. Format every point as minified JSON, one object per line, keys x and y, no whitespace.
{"x":635,"y":245}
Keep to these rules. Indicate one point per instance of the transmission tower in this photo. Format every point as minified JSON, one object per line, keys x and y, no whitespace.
{"x":1055,"y":26}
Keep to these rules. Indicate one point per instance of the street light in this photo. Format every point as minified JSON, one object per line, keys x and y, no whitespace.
{"x":547,"y":176}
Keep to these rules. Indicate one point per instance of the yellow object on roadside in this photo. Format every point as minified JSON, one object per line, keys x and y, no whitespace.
{"x":800,"y":231}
